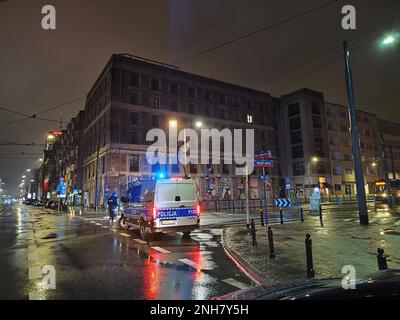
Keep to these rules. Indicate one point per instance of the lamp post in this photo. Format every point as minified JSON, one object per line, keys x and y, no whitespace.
{"x":361,"y":199}
{"x":174,"y":124}
{"x":313,"y":160}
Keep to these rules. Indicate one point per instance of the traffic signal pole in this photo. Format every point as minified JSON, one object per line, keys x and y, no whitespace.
{"x":361,"y":199}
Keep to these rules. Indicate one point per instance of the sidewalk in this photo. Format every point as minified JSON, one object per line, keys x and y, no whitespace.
{"x":341,"y":241}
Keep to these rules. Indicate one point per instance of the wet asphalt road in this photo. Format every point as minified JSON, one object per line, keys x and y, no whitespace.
{"x":95,"y":261}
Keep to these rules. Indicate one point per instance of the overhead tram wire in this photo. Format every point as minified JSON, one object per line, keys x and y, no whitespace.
{"x":381,"y":99}
{"x":337,"y":58}
{"x":250,"y":34}
{"x":333,"y":48}
{"x":35,"y":115}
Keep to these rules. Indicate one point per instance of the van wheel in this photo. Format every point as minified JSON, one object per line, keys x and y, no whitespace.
{"x":186,"y":235}
{"x":122,"y":223}
{"x":142,"y":229}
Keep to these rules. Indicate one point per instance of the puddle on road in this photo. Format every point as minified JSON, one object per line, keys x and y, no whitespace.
{"x":390,"y":232}
{"x":361,"y":238}
{"x":53,"y":236}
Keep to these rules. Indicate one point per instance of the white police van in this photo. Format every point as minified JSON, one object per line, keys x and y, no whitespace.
{"x":161,"y":206}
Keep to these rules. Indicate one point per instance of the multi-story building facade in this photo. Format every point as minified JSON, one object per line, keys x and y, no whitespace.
{"x":133,"y":95}
{"x":302,"y":139}
{"x":104,"y":147}
{"x":341,"y":154}
{"x":316,"y":145}
{"x":390,"y":132}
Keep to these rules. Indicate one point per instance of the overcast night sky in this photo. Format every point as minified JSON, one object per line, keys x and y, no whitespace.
{"x":40,"y":69}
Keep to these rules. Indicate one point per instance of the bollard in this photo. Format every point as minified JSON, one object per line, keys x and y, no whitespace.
{"x":253,"y":232}
{"x":301,"y":215}
{"x":309,"y":257}
{"x":381,"y":258}
{"x":262,"y":217}
{"x":320,"y":212}
{"x":281,"y":215}
{"x":271,"y":243}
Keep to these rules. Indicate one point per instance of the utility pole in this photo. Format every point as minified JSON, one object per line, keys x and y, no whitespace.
{"x":392,"y":160}
{"x":361,"y":199}
{"x":385,"y":165}
{"x":247,"y":199}
{"x":265,"y":180}
{"x":96,"y":196}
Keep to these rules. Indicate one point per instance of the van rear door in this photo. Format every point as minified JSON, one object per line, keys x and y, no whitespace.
{"x":176,"y":194}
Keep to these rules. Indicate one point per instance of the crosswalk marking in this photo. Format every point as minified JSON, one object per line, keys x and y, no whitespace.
{"x":236,"y":283}
{"x":190,"y":263}
{"x":37,"y":295}
{"x":140,"y":241}
{"x":125,"y":234}
{"x":162,"y":250}
{"x":35,"y":273}
{"x":33,"y":256}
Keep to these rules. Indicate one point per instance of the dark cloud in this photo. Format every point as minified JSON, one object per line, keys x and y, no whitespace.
{"x":41,"y":68}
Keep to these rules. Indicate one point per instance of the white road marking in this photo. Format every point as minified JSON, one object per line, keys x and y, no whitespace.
{"x":162,"y":250}
{"x":140,"y":241}
{"x":35,"y":273}
{"x":236,"y":283}
{"x":125,"y":234}
{"x":33,"y":256}
{"x":190,"y":263}
{"x":216,"y":232}
{"x":37,"y":295}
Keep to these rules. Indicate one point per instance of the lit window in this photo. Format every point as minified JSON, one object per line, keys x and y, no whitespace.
{"x":249,"y":118}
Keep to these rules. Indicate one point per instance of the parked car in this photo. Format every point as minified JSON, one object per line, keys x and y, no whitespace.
{"x":382,"y":285}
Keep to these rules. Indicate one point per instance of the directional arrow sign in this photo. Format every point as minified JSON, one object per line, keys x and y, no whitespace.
{"x":283,"y":203}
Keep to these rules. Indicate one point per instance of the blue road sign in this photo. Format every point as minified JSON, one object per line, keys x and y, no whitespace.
{"x":283,"y":203}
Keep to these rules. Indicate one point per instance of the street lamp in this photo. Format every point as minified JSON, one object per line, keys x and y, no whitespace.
{"x":361,"y":198}
{"x":173,"y":123}
{"x":198,"y":124}
{"x":40,"y":160}
{"x":28,"y":170}
{"x":308,"y":174}
{"x":389,"y":39}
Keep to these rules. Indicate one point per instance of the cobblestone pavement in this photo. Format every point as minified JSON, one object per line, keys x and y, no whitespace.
{"x":339,"y":241}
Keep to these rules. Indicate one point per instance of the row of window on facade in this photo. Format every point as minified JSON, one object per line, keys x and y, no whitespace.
{"x":299,"y":169}
{"x":133,"y":166}
{"x":174,"y":88}
{"x":346,"y":129}
{"x":192,"y":108}
{"x":344,"y":115}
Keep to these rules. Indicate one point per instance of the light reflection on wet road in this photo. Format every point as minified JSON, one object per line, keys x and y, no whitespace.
{"x":94,"y":261}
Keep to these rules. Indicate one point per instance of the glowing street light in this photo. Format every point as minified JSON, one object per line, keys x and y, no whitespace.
{"x":28,"y":170}
{"x":198,"y":124}
{"x":40,"y":160}
{"x":173,"y":123}
{"x":388,"y":40}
